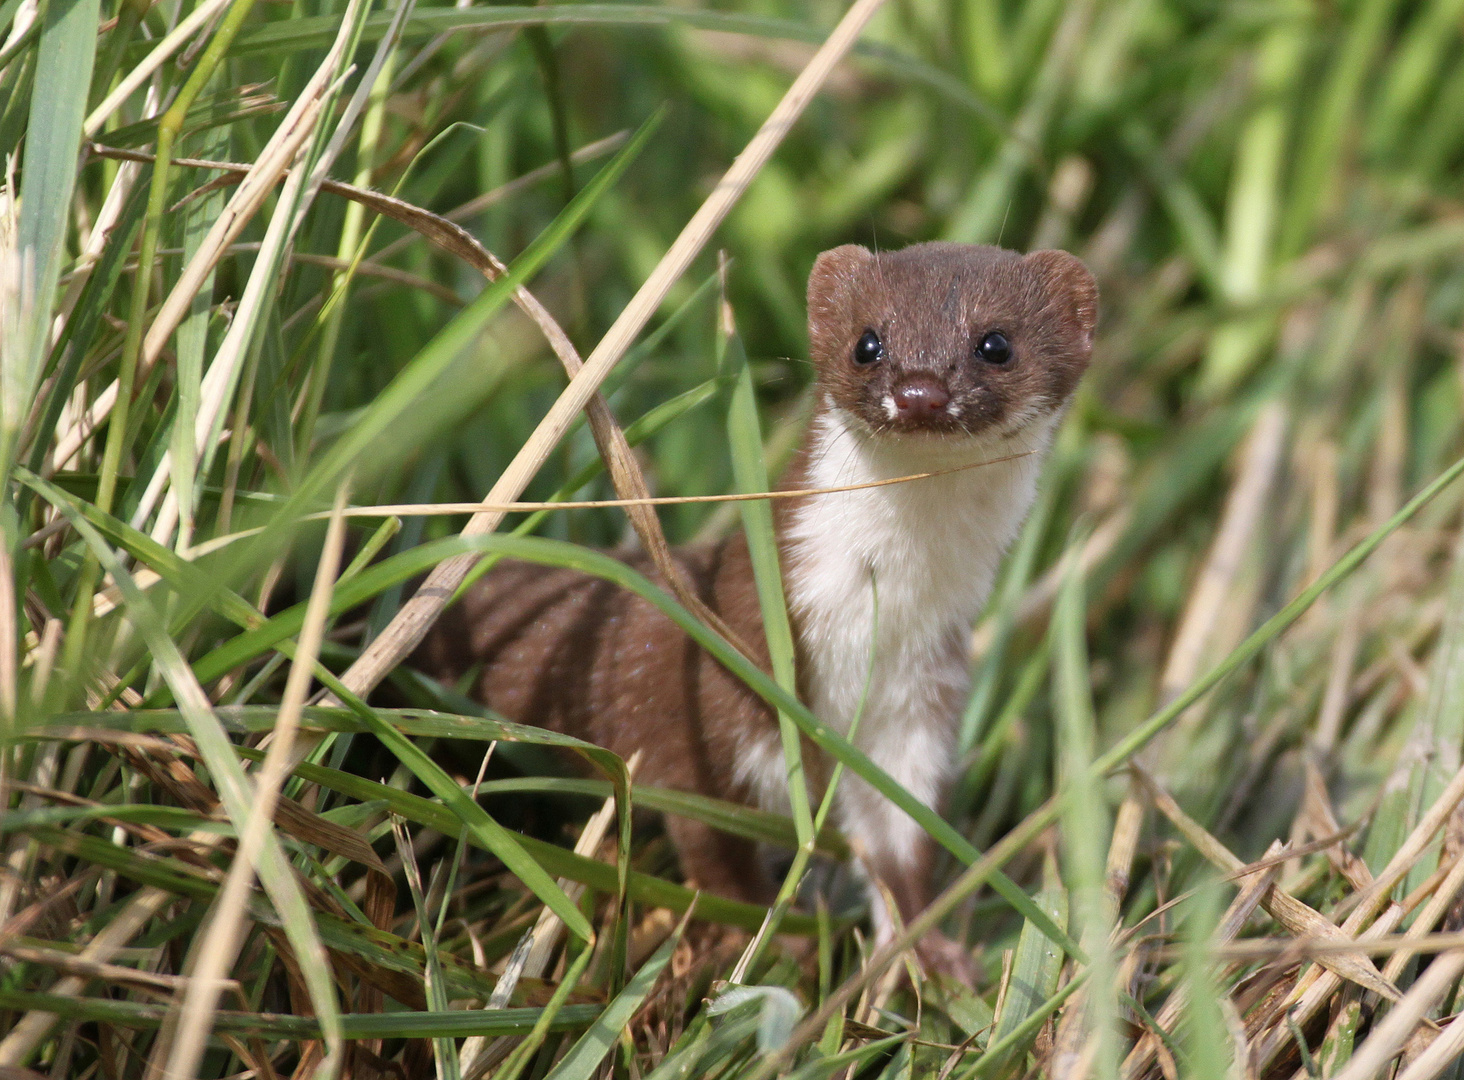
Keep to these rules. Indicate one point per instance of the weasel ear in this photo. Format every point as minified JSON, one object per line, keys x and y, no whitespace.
{"x":1069,"y":282}
{"x":829,"y":283}
{"x":832,"y":270}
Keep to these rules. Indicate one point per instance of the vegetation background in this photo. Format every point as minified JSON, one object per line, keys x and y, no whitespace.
{"x":1234,"y":622}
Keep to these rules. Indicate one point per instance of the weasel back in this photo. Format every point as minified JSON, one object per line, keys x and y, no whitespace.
{"x":562,"y":650}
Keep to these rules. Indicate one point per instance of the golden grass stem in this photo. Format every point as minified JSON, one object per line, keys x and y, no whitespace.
{"x":134,"y":79}
{"x":1388,"y":1037}
{"x":226,"y":928}
{"x":1438,"y":904}
{"x":414,"y":618}
{"x":1260,"y":463}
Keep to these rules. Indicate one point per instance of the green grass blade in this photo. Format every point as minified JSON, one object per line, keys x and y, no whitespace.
{"x":469,"y":814}
{"x":1086,"y":822}
{"x":744,"y":432}
{"x":1207,"y":1040}
{"x":1023,"y":1033}
{"x":1327,"y":117}
{"x":401,"y":1025}
{"x":584,"y":1058}
{"x":1036,"y":967}
{"x":443,"y":1049}
{"x":65,"y":56}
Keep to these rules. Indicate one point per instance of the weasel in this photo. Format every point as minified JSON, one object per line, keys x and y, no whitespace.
{"x":927,"y":359}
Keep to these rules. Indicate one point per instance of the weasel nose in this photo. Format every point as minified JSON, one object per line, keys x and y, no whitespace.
{"x":920,"y":397}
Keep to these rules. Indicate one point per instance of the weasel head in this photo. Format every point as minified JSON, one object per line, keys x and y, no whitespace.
{"x":950,"y":339}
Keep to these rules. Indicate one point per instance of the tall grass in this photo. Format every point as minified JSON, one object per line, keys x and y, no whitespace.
{"x":266,"y":266}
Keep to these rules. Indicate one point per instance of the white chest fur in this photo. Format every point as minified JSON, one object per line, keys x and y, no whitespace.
{"x":916,"y":561}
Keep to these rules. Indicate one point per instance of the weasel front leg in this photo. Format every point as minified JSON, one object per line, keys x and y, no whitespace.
{"x":896,"y":854}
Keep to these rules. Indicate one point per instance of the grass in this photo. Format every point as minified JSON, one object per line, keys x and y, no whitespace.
{"x":337,"y":256}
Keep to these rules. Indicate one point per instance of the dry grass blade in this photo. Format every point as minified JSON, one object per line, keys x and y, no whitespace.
{"x":1438,"y":904}
{"x":221,"y":380}
{"x":1388,"y":1037}
{"x":1440,"y":1054}
{"x":92,"y":969}
{"x":1252,"y":888}
{"x":22,"y":1039}
{"x":412,"y":621}
{"x":1244,"y":507}
{"x":1320,"y":822}
{"x":220,"y":945}
{"x":1297,"y":917}
{"x":1314,"y":991}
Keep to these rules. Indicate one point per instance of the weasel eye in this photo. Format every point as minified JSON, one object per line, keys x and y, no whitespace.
{"x":995,"y":348}
{"x":868,"y":348}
